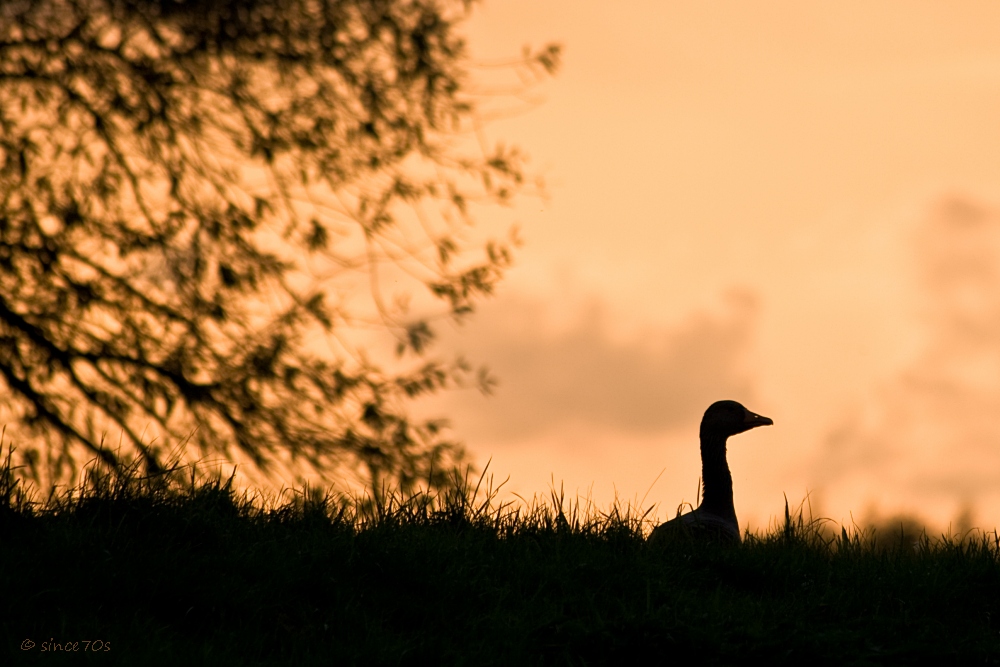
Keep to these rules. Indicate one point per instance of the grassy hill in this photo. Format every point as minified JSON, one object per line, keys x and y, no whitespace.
{"x":156,"y":571}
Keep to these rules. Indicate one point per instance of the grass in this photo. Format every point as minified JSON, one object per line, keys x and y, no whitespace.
{"x":166,"y":571}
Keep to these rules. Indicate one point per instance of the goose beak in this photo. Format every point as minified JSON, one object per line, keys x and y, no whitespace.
{"x":753,"y":420}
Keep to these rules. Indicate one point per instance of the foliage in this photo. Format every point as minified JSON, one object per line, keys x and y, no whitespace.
{"x":169,"y":169}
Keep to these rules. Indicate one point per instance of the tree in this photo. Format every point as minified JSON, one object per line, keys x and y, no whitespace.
{"x":165,"y":166}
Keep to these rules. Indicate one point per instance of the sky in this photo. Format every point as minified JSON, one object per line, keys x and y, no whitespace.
{"x":791,"y":204}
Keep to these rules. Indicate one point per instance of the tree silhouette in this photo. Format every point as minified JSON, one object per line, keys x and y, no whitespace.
{"x":182,"y":187}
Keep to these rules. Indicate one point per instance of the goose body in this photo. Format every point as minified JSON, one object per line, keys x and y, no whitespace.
{"x":715,"y":517}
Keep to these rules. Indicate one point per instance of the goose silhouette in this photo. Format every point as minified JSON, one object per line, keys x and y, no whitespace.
{"x":715,"y":517}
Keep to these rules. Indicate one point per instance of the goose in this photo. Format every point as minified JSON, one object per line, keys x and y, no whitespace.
{"x":715,"y":517}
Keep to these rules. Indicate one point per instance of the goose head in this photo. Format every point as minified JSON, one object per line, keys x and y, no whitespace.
{"x":725,"y":418}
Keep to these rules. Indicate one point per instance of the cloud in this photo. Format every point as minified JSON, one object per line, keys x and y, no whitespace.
{"x":659,"y":380}
{"x":932,"y":430}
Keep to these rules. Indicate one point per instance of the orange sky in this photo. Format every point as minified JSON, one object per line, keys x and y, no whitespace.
{"x":792,"y":204}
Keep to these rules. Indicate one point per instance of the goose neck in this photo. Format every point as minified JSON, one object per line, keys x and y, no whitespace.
{"x":716,"y":480}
